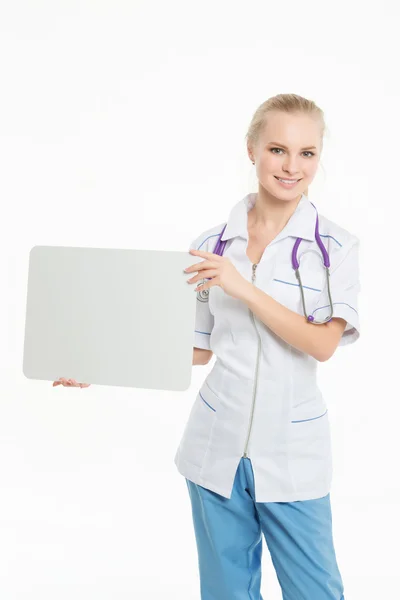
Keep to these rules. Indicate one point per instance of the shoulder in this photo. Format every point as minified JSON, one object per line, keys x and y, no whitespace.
{"x":336,"y":238}
{"x":207,"y":239}
{"x":342,"y":245}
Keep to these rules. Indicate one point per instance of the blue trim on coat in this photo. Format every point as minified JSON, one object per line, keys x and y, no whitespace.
{"x":207,"y":238}
{"x":312,"y":419}
{"x":304,"y":286}
{"x":330,"y":236}
{"x":328,"y":305}
{"x":215,"y":234}
{"x":206,"y":402}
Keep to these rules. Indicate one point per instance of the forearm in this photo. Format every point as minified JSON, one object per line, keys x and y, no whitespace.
{"x":200,"y":356}
{"x":287,"y":324}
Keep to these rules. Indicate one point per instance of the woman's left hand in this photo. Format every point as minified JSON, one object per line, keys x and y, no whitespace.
{"x":220,"y":271}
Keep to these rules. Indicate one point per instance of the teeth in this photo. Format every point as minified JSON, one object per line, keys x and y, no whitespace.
{"x":288,"y":180}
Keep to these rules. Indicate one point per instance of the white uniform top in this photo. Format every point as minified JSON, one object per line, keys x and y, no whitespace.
{"x":261,"y":398}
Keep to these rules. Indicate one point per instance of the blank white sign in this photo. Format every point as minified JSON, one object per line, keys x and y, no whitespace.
{"x":110,"y":317}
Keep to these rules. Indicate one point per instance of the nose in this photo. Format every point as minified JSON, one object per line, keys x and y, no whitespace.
{"x":290,"y":166}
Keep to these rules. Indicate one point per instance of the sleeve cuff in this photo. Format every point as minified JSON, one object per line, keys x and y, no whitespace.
{"x":202,"y":340}
{"x":348,"y":313}
{"x":352,"y":330}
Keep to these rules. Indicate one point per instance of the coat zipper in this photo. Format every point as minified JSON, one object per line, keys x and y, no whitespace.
{"x":245,"y":455}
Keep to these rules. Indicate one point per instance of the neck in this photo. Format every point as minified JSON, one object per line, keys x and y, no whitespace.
{"x":270,"y":213}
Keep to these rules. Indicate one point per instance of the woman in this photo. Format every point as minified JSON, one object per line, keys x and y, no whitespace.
{"x":256,"y":450}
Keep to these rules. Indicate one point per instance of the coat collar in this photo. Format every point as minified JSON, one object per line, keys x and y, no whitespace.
{"x":301,"y":223}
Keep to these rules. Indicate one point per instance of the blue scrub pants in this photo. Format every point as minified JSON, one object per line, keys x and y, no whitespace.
{"x":229,"y":542}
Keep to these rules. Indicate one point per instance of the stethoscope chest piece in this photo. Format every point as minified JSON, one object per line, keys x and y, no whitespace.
{"x":203,"y":295}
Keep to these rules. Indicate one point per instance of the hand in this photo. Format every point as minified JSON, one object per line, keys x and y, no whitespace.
{"x":69,"y":383}
{"x":220,"y":271}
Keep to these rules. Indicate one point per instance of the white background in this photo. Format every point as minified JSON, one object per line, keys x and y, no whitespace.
{"x":122,"y":125}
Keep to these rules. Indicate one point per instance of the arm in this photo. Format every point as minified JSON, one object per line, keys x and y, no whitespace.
{"x":320,"y":341}
{"x":204,"y":321}
{"x":201,"y":356}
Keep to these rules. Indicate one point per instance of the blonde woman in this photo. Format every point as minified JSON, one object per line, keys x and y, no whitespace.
{"x":277,"y":293}
{"x":256,"y":451}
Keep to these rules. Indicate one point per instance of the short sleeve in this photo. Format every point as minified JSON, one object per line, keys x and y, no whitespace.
{"x":204,"y":318}
{"x":345,"y":287}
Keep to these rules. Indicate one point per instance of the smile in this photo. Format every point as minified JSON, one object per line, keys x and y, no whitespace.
{"x":287,"y":180}
{"x":287,"y":183}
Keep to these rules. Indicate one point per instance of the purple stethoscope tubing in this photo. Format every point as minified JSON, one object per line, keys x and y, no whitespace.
{"x":220,"y":247}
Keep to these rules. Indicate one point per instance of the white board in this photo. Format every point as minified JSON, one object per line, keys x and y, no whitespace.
{"x":110,"y":317}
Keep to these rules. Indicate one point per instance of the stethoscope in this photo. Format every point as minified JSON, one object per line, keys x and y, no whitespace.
{"x":203,"y":295}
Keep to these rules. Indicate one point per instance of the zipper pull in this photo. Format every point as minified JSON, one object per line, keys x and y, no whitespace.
{"x":254,"y":273}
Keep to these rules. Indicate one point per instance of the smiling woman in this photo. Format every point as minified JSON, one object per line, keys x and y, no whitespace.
{"x":256,"y":451}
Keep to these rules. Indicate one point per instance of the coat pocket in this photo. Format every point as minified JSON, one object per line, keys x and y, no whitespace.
{"x":285,"y":287}
{"x":310,"y":446}
{"x":207,"y":396}
{"x":321,"y":413}
{"x":197,"y":433}
{"x":308,"y":409}
{"x":286,"y":290}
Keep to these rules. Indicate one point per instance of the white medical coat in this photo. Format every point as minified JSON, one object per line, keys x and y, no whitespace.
{"x":289,"y":442}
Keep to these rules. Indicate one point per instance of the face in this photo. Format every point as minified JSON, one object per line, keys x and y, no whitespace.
{"x":289,"y":147}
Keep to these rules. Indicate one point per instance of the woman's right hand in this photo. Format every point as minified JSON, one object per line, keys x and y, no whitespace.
{"x":69,"y":383}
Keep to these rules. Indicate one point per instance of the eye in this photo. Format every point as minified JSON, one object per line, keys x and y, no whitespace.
{"x":272,"y":150}
{"x":305,"y":152}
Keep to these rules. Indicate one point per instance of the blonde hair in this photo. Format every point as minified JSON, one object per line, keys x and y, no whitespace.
{"x":289,"y":103}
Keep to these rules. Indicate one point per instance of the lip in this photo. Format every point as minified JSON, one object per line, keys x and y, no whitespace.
{"x":287,"y":179}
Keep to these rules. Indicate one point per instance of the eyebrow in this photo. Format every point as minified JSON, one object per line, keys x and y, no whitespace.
{"x":286,"y":148}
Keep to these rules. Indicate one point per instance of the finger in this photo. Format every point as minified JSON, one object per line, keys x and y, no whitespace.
{"x":205,"y":264}
{"x":206,"y":286}
{"x":204,"y":275}
{"x":209,"y":255}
